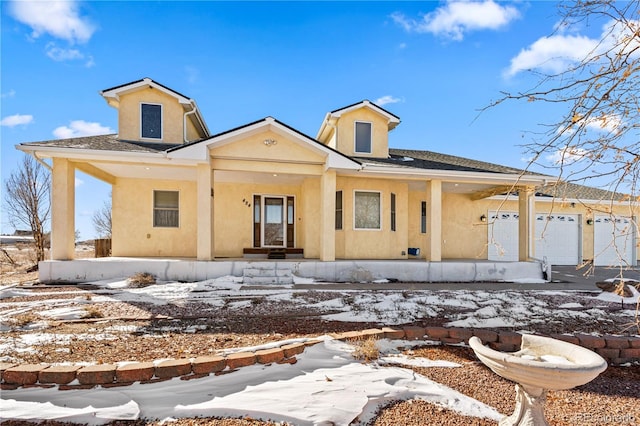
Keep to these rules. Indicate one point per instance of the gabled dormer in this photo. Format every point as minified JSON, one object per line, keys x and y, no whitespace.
{"x":151,"y":112}
{"x":360,"y":130}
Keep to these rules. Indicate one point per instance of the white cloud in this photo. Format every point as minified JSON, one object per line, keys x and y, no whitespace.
{"x":568,"y":155}
{"x":10,"y":94}
{"x":59,"y":19}
{"x":402,"y":46}
{"x":78,"y":182}
{"x":557,"y":53}
{"x":388,"y":99}
{"x":90,"y":62}
{"x":607,"y":123}
{"x":552,"y":54}
{"x":79,"y":128}
{"x":193,"y":74}
{"x":60,"y":54}
{"x":16,"y":120}
{"x":456,"y":18}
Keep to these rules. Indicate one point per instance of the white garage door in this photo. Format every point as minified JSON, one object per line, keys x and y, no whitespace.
{"x":614,"y":241}
{"x":557,"y":237}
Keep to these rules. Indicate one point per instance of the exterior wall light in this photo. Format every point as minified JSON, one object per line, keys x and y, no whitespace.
{"x":589,"y":221}
{"x":483,"y":218}
{"x":270,"y":142}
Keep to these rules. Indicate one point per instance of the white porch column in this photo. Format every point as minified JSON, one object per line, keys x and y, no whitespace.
{"x":434,"y":221}
{"x":328,"y":216}
{"x":526,"y":223}
{"x":204,"y":189}
{"x":63,"y":193}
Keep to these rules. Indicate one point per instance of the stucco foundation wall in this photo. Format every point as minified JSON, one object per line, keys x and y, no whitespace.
{"x":132,"y":220}
{"x":85,"y":270}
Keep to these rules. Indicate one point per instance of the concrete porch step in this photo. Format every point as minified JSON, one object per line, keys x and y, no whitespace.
{"x":266,"y":275}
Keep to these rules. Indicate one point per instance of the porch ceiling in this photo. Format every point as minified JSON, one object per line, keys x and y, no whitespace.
{"x":146,"y":171}
{"x":258,"y":178}
{"x":454,"y":187}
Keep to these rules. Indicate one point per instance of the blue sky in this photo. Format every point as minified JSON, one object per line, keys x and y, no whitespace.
{"x":434,"y":64}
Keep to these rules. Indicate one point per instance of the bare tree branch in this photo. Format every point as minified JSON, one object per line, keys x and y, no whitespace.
{"x":27,"y":200}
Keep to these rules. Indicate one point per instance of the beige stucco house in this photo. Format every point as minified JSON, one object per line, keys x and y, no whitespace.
{"x":266,"y":189}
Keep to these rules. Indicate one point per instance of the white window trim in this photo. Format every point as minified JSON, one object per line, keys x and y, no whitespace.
{"x":153,"y":209}
{"x":354,"y":210}
{"x":355,"y":133}
{"x":161,"y":121}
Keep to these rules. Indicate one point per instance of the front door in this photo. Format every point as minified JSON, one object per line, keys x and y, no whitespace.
{"x":273,"y":221}
{"x":273,"y":231}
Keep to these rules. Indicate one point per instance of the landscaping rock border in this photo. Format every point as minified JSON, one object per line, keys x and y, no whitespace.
{"x":615,"y":349}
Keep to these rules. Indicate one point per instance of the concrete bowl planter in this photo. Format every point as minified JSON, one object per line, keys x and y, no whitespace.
{"x":540,"y":365}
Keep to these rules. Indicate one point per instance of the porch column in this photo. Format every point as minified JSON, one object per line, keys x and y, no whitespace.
{"x":204,"y":190}
{"x":328,"y":216}
{"x":526,"y":223}
{"x":63,"y":193}
{"x":434,"y":221}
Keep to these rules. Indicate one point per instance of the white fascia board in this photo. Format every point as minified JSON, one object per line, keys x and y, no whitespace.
{"x":96,"y":155}
{"x":115,"y":93}
{"x":200,"y":117}
{"x":200,"y":151}
{"x":369,"y":169}
{"x":367,"y":104}
{"x":580,"y":201}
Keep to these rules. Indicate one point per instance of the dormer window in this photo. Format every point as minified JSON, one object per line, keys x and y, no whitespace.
{"x":151,"y":121}
{"x":363,"y":137}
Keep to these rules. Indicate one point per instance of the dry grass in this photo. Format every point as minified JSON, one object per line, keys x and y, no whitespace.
{"x":365,"y":349}
{"x":141,"y":279}
{"x":93,"y":312}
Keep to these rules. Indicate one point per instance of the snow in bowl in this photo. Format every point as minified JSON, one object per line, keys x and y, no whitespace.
{"x":541,"y":364}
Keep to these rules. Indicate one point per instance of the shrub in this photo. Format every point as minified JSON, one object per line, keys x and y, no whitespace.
{"x":141,"y":279}
{"x":365,"y":349}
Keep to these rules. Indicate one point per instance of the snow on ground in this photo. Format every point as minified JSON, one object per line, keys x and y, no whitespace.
{"x":325,"y":386}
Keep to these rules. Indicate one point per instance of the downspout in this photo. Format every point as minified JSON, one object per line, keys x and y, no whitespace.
{"x":193,"y":111}
{"x":39,"y":160}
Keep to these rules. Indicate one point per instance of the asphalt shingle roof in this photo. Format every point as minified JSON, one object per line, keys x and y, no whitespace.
{"x":398,"y":158}
{"x":104,"y":143}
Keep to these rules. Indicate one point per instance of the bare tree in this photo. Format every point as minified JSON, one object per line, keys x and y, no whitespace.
{"x":102,"y":219}
{"x":596,"y":138}
{"x":27,"y":200}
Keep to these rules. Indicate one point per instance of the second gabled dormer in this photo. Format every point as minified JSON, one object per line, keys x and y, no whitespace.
{"x":360,"y":130}
{"x":151,"y":112}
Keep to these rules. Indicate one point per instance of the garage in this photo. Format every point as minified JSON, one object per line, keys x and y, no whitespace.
{"x":557,"y":237}
{"x":610,"y":251}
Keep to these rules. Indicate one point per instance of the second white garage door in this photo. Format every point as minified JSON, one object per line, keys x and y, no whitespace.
{"x":610,"y":252}
{"x":557,"y":237}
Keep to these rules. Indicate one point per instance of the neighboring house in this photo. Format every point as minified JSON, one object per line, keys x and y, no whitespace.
{"x":265,"y":189}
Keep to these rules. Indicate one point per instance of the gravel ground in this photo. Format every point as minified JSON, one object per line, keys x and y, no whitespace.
{"x":145,"y":332}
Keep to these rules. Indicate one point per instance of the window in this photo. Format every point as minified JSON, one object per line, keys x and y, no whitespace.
{"x":151,"y":121}
{"x":338,"y":209}
{"x":393,"y":211}
{"x":166,"y":211}
{"x":363,"y":137}
{"x":367,"y":210}
{"x":423,"y":217}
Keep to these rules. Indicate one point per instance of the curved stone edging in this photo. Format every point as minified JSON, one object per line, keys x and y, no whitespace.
{"x":615,"y":349}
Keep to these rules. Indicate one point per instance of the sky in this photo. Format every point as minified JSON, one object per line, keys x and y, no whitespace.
{"x":433,"y":64}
